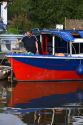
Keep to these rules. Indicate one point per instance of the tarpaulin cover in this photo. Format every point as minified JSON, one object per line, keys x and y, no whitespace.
{"x":80,"y":33}
{"x":65,"y":35}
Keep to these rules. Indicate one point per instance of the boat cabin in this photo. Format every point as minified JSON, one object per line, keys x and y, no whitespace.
{"x":60,"y":42}
{"x":50,"y":42}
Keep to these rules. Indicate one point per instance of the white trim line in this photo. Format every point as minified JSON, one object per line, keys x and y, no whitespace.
{"x":47,"y":57}
{"x":78,"y":40}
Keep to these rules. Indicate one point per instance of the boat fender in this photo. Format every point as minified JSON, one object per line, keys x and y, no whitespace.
{"x":79,"y":69}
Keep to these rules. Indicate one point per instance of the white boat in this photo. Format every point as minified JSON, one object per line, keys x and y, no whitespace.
{"x":7,"y":43}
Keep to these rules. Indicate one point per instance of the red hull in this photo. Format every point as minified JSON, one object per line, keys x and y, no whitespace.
{"x":26,"y":72}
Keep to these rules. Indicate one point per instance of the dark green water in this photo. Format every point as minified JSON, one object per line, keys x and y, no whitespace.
{"x":52,"y":116}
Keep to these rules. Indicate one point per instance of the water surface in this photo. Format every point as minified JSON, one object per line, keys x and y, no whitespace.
{"x":42,"y":103}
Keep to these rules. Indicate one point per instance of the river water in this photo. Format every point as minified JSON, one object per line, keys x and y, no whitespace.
{"x":42,"y":103}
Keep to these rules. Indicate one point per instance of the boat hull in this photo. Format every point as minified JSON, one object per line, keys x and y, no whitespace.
{"x":41,"y":68}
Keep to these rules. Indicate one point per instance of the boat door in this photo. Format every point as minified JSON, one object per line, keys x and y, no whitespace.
{"x":46,"y":44}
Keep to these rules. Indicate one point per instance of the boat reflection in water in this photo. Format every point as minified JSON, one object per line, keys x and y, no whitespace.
{"x":46,"y":94}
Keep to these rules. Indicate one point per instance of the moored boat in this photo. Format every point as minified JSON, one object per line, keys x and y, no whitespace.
{"x":60,"y":58}
{"x":7,"y":43}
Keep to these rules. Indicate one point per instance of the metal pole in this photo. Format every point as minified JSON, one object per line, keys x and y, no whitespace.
{"x":70,"y":48}
{"x":53,"y":45}
{"x":40,"y":38}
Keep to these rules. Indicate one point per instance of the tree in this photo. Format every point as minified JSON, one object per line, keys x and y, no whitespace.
{"x":44,"y":13}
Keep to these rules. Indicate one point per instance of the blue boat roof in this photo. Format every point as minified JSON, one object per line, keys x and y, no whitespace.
{"x":80,"y":33}
{"x":66,"y":35}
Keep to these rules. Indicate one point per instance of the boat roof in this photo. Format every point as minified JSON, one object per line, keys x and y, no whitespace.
{"x":66,"y":35}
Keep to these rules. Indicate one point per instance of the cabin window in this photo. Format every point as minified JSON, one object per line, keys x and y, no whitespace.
{"x":81,"y":47}
{"x":61,"y":46}
{"x":77,"y":48}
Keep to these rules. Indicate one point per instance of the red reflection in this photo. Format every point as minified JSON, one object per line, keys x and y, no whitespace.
{"x":26,"y":91}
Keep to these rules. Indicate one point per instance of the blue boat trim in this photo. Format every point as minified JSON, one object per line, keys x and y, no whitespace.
{"x":46,"y":63}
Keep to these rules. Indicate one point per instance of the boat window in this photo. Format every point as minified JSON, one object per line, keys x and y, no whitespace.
{"x":77,"y":48}
{"x":61,"y":46}
{"x":81,"y":47}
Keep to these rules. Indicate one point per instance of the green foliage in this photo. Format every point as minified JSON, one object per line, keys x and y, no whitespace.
{"x":26,"y":14}
{"x":20,"y":23}
{"x":12,"y":30}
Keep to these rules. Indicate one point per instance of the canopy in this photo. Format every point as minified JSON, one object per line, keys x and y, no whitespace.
{"x":80,"y":33}
{"x":65,"y":35}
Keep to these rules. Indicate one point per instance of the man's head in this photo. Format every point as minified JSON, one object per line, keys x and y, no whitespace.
{"x":29,"y":33}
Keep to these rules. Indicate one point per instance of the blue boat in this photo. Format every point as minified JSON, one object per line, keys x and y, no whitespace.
{"x":60,"y":57}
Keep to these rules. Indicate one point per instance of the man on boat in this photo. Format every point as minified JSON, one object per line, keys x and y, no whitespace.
{"x":30,"y":42}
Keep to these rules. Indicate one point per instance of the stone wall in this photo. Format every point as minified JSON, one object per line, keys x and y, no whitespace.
{"x":73,"y":24}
